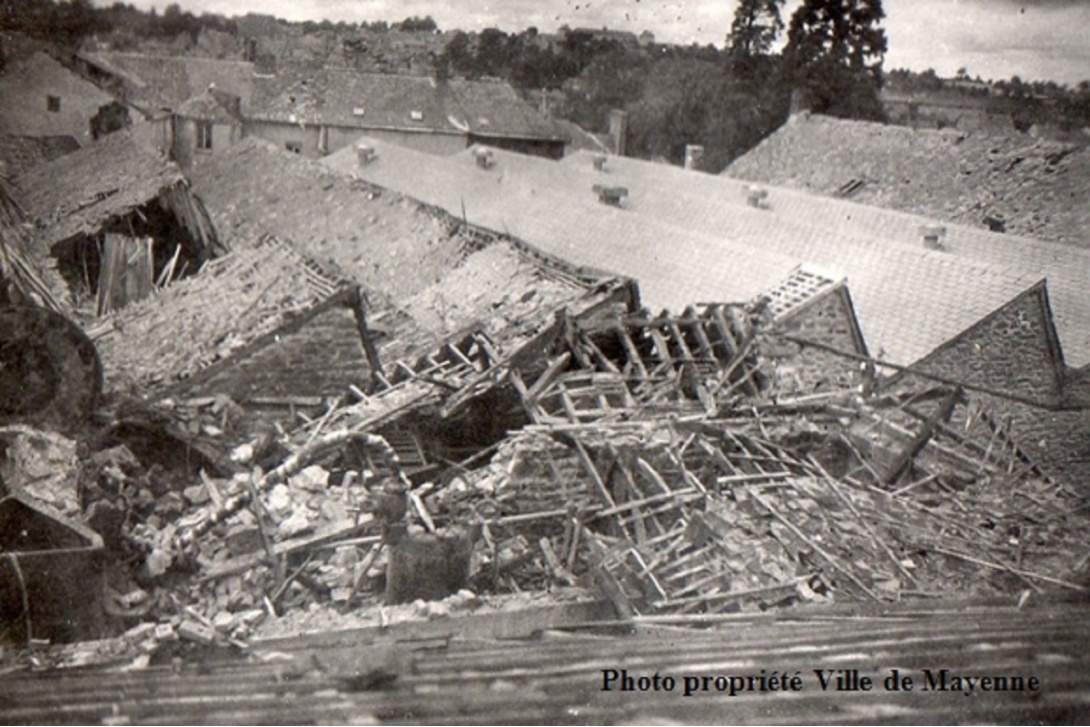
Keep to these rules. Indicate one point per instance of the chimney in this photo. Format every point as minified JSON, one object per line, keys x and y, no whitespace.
{"x":366,"y":154}
{"x":483,"y":157}
{"x":618,"y":128}
{"x":932,"y":236}
{"x":600,"y":162}
{"x":694,"y":155}
{"x":756,"y":196}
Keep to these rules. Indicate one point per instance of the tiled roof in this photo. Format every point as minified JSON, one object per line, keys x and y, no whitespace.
{"x":536,"y":666}
{"x":211,"y":105}
{"x":1039,"y":187}
{"x":198,"y":321}
{"x":671,"y":193}
{"x":171,"y":80}
{"x":909,"y":299}
{"x":20,"y":153}
{"x":350,"y":98}
{"x":376,"y":237}
{"x":675,"y":267}
{"x":82,"y":190}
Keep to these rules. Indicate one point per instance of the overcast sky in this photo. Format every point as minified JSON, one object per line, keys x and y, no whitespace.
{"x":1034,"y":39}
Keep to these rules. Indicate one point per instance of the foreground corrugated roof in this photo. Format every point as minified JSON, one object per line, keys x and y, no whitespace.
{"x":539,"y":667}
{"x":675,"y":267}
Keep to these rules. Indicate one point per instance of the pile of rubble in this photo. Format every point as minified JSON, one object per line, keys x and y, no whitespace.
{"x":663,"y":463}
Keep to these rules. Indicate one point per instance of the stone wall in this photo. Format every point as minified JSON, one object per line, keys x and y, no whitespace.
{"x":1008,"y":352}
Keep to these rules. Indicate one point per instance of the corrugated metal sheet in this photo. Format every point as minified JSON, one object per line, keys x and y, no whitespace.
{"x":434,"y":675}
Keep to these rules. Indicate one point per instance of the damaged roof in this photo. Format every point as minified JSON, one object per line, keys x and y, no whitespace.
{"x":235,"y":302}
{"x":393,"y":245}
{"x":79,"y":192}
{"x":354,"y":99}
{"x":1034,"y":187}
{"x":20,"y":153}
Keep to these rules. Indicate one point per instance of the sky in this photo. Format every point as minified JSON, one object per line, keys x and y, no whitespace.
{"x":1033,"y":39}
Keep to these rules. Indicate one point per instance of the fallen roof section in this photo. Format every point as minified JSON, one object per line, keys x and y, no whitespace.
{"x":80,"y":192}
{"x":234,"y":303}
{"x":392,"y":245}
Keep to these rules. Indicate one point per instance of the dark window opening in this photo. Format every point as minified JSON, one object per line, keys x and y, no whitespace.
{"x":53,"y":104}
{"x":295,"y":147}
{"x":204,"y":135}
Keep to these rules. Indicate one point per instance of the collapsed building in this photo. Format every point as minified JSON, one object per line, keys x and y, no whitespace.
{"x":347,"y":458}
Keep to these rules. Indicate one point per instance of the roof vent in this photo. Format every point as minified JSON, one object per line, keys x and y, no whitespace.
{"x":359,"y":111}
{"x":932,"y":236}
{"x":600,"y":162}
{"x":610,"y":195}
{"x":757,"y":196}
{"x":416,"y":115}
{"x":484,"y":158}
{"x":366,"y":154}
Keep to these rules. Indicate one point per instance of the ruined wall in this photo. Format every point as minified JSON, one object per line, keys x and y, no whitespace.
{"x":338,"y":137}
{"x":800,"y":370}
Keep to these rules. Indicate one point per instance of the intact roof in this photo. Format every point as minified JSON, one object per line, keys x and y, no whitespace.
{"x":675,"y":267}
{"x":908,"y":299}
{"x":354,"y":99}
{"x":82,"y":190}
{"x":20,"y":153}
{"x":1039,"y":187}
{"x":27,"y":81}
{"x":670,"y":192}
{"x":169,"y":81}
{"x":211,"y":105}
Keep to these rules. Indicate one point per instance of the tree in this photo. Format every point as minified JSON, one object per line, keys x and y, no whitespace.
{"x":757,"y":24}
{"x":835,"y":50}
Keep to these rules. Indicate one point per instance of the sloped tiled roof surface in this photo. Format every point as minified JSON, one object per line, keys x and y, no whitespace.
{"x":533,"y":668}
{"x":1040,"y":187}
{"x":672,"y":193}
{"x":20,"y":153}
{"x":211,"y":105}
{"x":675,"y":267}
{"x":379,"y":238}
{"x":346,"y":97}
{"x":80,"y":191}
{"x":197,"y":321}
{"x":909,"y":299}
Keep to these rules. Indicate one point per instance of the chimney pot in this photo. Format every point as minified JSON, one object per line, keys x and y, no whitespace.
{"x":365,"y":154}
{"x":484,"y":158}
{"x":610,"y":195}
{"x":756,"y":196}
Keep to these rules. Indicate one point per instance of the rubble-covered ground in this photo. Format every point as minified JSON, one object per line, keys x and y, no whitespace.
{"x":660,"y":488}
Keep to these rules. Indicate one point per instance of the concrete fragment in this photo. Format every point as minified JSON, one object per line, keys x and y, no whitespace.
{"x":279,"y":501}
{"x":44,"y":465}
{"x":292,"y":526}
{"x":196,"y":632}
{"x":314,"y":478}
{"x":164,"y":632}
